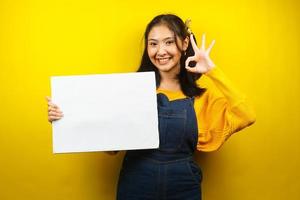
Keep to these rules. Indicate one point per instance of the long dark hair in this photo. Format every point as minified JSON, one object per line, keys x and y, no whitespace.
{"x":187,"y":80}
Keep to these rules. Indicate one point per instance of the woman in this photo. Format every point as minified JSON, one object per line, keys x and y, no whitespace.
{"x":190,"y":117}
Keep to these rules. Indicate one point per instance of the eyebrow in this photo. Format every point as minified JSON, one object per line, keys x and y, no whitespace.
{"x":167,"y":38}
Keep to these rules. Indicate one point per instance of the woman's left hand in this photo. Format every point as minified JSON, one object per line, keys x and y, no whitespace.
{"x":203,"y":62}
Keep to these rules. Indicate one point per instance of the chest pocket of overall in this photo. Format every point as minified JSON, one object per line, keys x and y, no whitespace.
{"x":172,"y":128}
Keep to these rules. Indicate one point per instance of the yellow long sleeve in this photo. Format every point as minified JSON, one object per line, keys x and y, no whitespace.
{"x":219,"y":116}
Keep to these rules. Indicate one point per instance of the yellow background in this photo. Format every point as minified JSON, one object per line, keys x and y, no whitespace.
{"x":257,"y":45}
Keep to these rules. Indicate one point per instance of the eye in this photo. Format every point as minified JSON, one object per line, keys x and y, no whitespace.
{"x":169,"y":42}
{"x":151,"y":43}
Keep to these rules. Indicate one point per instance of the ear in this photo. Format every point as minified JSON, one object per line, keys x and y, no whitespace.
{"x":185,"y":43}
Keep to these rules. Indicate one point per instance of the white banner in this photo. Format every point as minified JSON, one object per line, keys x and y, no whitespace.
{"x":105,"y":112}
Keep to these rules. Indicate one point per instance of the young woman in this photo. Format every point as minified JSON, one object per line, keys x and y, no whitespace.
{"x":190,"y":117}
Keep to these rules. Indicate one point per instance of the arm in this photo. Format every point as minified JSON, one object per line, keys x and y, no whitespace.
{"x":219,"y":116}
{"x":235,"y":99}
{"x":221,"y":111}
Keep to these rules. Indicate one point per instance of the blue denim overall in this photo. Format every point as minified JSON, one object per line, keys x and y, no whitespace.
{"x":167,"y":173}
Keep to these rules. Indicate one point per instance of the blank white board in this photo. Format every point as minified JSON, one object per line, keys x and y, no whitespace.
{"x":105,"y":112}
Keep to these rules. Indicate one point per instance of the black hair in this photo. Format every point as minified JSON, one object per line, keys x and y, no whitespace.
{"x":187,"y":80}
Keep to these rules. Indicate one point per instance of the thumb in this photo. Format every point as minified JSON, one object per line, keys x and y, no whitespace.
{"x":48,"y":98}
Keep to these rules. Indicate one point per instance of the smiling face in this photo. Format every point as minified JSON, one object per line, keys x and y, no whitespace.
{"x":162,"y":49}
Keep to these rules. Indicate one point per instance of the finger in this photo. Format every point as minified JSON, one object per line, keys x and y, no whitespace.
{"x":203,"y":42}
{"x":188,"y":60}
{"x":56,"y":117}
{"x":50,"y":108}
{"x":50,"y":103}
{"x":55,"y":114}
{"x":210,"y":46}
{"x":55,"y":110}
{"x":191,"y":69}
{"x":53,"y":105}
{"x":194,"y":45}
{"x":51,"y":119}
{"x":48,"y":98}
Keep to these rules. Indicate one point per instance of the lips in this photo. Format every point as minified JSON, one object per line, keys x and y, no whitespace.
{"x":162,"y":61}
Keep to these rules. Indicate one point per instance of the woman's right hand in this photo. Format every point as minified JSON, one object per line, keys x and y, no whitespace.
{"x":54,"y":113}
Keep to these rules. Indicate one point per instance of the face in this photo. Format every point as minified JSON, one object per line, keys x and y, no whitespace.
{"x":162,"y":49}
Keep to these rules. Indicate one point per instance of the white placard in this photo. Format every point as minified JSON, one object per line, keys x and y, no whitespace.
{"x":105,"y":112}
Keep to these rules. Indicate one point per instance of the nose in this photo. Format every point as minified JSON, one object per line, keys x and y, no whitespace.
{"x":161,"y":50}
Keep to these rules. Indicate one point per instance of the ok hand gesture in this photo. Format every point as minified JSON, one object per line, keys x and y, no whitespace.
{"x":203,"y":62}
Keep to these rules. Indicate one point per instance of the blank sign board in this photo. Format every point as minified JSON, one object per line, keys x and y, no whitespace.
{"x":105,"y":112}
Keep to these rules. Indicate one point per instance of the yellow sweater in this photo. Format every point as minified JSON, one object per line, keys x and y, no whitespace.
{"x":219,"y":115}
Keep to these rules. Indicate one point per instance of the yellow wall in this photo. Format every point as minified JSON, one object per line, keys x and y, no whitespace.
{"x":257,"y":45}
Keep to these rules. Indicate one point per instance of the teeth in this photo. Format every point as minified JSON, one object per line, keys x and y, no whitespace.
{"x":163,"y":59}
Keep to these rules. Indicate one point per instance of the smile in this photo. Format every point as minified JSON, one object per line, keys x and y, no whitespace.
{"x":163,"y":60}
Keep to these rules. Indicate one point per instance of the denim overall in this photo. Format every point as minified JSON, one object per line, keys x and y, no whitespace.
{"x":167,"y":173}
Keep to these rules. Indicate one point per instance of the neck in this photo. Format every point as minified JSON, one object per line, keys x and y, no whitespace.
{"x":169,"y":81}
